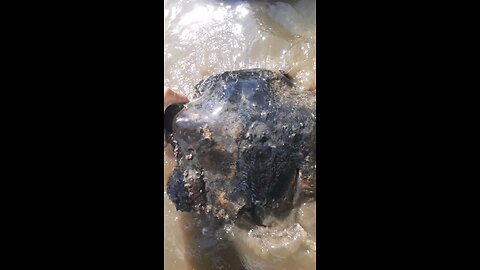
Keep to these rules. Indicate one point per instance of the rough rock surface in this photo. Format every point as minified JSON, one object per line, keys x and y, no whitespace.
{"x":244,"y":145}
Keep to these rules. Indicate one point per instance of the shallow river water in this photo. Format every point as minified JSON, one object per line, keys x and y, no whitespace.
{"x":205,"y":37}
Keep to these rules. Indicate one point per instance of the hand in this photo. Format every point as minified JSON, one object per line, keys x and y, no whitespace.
{"x":171,"y":97}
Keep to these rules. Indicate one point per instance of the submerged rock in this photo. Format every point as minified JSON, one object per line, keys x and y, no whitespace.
{"x":244,"y":146}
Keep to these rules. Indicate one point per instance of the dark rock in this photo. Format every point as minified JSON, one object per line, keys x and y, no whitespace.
{"x":246,"y":143}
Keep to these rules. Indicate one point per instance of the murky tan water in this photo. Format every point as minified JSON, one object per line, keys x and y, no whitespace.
{"x":204,"y":37}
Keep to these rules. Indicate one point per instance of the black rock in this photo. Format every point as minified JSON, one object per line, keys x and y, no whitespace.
{"x":246,"y":144}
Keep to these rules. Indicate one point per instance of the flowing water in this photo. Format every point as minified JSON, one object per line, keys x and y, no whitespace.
{"x":205,"y":37}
